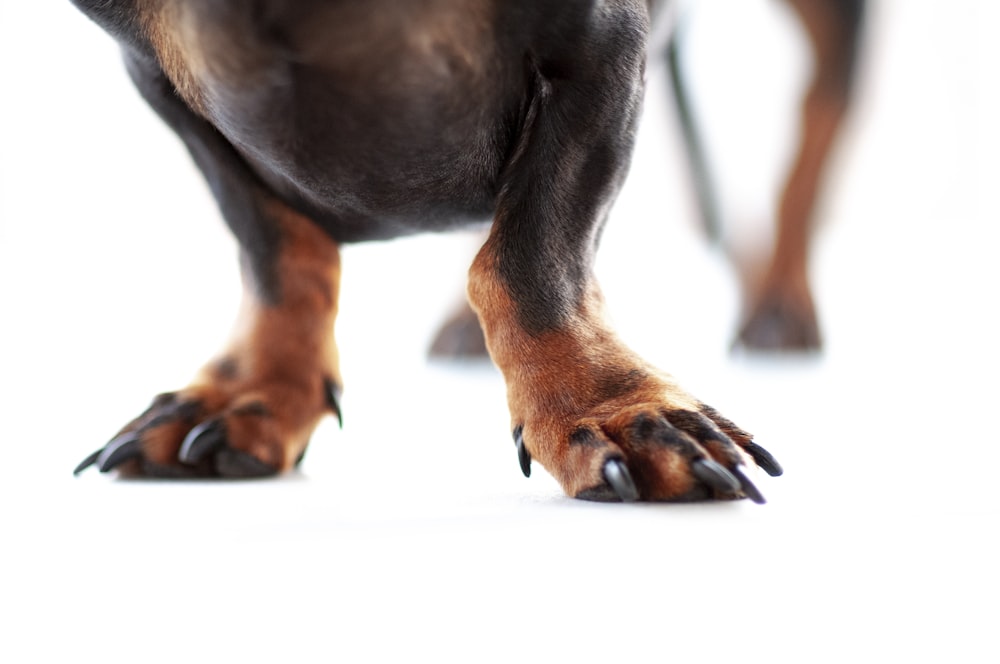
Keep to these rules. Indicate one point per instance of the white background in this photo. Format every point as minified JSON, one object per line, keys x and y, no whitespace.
{"x":411,"y":533}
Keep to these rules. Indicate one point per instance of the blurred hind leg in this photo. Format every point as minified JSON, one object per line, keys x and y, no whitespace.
{"x":782,"y":316}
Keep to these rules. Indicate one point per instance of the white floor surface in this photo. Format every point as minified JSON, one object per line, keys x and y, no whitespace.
{"x":411,"y":535}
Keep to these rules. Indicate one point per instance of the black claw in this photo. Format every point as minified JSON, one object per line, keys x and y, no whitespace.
{"x":715,"y":476}
{"x":617,"y":476}
{"x":764,"y":459}
{"x":118,"y":451}
{"x":87,"y":463}
{"x":751,"y":491}
{"x":207,"y":437}
{"x":523,"y":456}
{"x":333,"y":393}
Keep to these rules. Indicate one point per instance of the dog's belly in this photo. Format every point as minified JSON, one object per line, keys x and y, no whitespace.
{"x":367,"y":175}
{"x":372,"y":170}
{"x":375,"y":123}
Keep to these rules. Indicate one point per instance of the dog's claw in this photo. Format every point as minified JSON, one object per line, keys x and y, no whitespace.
{"x":764,"y":459}
{"x":617,"y":476}
{"x":88,"y":462}
{"x":333,"y":393}
{"x":207,"y":437}
{"x":118,"y":451}
{"x":751,"y":491}
{"x":523,"y":456}
{"x":715,"y":476}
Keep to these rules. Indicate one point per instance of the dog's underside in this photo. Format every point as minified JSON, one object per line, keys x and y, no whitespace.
{"x":321,"y":123}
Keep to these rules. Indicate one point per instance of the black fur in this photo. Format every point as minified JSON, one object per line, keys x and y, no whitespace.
{"x":383,"y":118}
{"x":238,"y":191}
{"x":339,"y":110}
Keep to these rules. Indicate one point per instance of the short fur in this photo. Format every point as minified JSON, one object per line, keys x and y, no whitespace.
{"x":319,"y":123}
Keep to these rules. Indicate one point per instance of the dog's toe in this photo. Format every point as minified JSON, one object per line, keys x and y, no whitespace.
{"x":715,"y":476}
{"x":748,"y":488}
{"x":206,"y":438}
{"x":206,"y":431}
{"x":618,"y":477}
{"x":649,"y":452}
{"x":125,"y":447}
{"x":764,"y":459}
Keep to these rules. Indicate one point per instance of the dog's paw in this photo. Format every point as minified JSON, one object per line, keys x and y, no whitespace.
{"x":226,"y":426}
{"x":634,"y":447}
{"x":783,"y":319}
{"x":251,"y":412}
{"x":606,"y":424}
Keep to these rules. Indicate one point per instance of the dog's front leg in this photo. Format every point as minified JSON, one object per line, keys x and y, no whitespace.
{"x":603,"y":422}
{"x":251,"y":410}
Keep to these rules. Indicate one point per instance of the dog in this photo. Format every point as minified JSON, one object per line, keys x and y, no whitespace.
{"x":323,"y":122}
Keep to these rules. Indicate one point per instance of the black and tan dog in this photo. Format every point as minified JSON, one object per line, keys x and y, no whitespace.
{"x":322,"y":122}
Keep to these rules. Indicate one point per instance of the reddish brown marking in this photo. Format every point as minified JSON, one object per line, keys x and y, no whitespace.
{"x":268,"y":385}
{"x":171,"y":31}
{"x":822,"y":113}
{"x":578,"y":391}
{"x":734,"y":432}
{"x":781,"y":296}
{"x":214,"y":53}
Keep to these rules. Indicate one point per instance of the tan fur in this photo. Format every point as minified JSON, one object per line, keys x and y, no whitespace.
{"x":580,"y":376}
{"x":211,"y":60}
{"x":268,"y":385}
{"x":173,"y":33}
{"x":823,"y":110}
{"x":822,"y":113}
